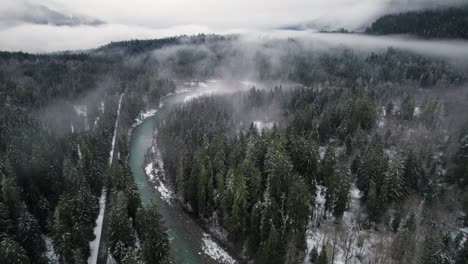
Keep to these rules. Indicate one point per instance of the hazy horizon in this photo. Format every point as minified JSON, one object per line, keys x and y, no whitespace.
{"x":57,"y":25}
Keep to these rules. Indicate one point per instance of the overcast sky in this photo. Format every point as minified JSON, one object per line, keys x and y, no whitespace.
{"x":52,"y":25}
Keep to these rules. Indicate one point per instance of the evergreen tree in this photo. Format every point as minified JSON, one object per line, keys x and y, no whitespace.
{"x":461,"y":162}
{"x":314,"y":255}
{"x":11,"y":252}
{"x":407,"y":107}
{"x":327,"y":171}
{"x":462,"y":257}
{"x":396,"y":221}
{"x":153,"y":235}
{"x":323,"y":258}
{"x":131,"y":257}
{"x":342,"y":191}
{"x":413,"y":173}
{"x":410,"y":223}
{"x":393,"y":186}
{"x":121,"y":236}
{"x":269,"y":252}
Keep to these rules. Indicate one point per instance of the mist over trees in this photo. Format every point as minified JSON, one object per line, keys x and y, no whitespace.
{"x":449,"y":23}
{"x":386,"y":125}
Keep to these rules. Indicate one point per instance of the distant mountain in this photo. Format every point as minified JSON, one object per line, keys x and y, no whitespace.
{"x":43,"y":15}
{"x":441,"y":23}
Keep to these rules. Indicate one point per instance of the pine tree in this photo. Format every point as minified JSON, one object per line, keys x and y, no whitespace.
{"x":393,"y":186}
{"x":462,"y":257}
{"x":342,"y":191}
{"x":323,"y":258}
{"x":410,"y":223}
{"x":396,"y":221}
{"x":407,"y":108}
{"x":11,"y":252}
{"x":372,"y":167}
{"x":237,"y":221}
{"x":413,"y":173}
{"x":269,"y":251}
{"x":153,"y":235}
{"x":314,"y":255}
{"x":131,"y":257}
{"x":121,"y":234}
{"x":372,"y":205}
{"x":431,"y":251}
{"x":461,"y":162}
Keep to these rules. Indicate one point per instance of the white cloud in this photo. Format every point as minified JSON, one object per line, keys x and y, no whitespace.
{"x":160,"y":18}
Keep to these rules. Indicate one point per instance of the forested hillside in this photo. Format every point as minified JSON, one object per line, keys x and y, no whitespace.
{"x":342,"y":155}
{"x":57,"y":116}
{"x":448,"y":23}
{"x":343,"y":165}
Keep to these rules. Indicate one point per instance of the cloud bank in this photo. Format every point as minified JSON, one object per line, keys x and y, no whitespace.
{"x":54,"y":25}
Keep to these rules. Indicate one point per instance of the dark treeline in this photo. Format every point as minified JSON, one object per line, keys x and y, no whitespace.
{"x":261,"y":187}
{"x":450,"y":23}
{"x":57,"y":118}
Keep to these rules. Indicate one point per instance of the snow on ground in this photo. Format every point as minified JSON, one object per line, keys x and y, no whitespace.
{"x":350,"y":215}
{"x":203,"y":92}
{"x":417,"y":111}
{"x":381,"y":123}
{"x":50,"y":250}
{"x":143,"y":115}
{"x":94,"y":245}
{"x":213,"y":250}
{"x":352,"y":243}
{"x":111,"y":156}
{"x":81,"y":110}
{"x":79,"y":151}
{"x":166,"y":194}
{"x":101,"y":107}
{"x":260,"y":125}
{"x":322,"y":150}
{"x":155,"y":172}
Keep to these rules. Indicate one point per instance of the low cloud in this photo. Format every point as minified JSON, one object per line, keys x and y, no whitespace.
{"x":55,"y":25}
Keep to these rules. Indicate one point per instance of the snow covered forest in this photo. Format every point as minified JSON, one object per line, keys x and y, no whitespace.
{"x":295,"y":150}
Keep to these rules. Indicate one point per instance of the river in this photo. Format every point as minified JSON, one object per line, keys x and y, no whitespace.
{"x":189,"y":242}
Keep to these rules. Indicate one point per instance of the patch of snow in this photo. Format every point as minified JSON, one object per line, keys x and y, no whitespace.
{"x":214,"y":251}
{"x":155,"y":172}
{"x":72,"y":128}
{"x":79,"y":151}
{"x":101,"y":107}
{"x":111,"y":156}
{"x":94,"y":245}
{"x":260,"y":125}
{"x":149,"y":171}
{"x":143,"y":115}
{"x":50,"y":250}
{"x":203,"y":85}
{"x":81,"y":110}
{"x":322,"y":150}
{"x":381,"y":123}
{"x":96,"y":121}
{"x":212,"y":81}
{"x":417,"y":111}
{"x":184,"y":90}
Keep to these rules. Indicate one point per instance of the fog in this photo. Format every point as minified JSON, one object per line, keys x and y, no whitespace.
{"x":56,"y":25}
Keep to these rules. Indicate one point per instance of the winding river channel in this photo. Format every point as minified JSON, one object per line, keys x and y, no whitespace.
{"x":189,"y":242}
